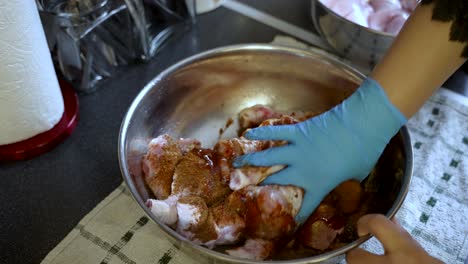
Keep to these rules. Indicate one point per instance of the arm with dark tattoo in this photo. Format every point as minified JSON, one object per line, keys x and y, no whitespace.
{"x":455,"y":11}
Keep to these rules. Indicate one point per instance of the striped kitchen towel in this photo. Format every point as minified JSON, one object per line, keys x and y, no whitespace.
{"x":435,"y":211}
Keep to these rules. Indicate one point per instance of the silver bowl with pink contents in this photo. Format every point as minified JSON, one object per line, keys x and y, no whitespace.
{"x":360,"y":30}
{"x":195,"y":97}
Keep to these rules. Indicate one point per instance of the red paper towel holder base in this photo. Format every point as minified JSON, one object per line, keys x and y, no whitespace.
{"x":46,"y":141}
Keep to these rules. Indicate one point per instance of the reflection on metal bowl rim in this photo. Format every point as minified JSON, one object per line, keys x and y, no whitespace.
{"x":324,"y":58}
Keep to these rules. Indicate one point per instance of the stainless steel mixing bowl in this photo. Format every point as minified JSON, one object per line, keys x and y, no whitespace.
{"x":195,"y":97}
{"x":361,"y":45}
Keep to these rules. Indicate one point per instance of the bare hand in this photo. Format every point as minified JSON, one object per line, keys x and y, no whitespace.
{"x":398,"y":244}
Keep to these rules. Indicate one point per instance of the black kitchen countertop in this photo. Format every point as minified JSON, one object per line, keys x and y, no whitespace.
{"x":42,"y":199}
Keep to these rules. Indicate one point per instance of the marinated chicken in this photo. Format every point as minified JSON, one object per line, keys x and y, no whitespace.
{"x":199,"y":194}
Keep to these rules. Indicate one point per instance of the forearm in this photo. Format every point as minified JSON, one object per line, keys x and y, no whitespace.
{"x":419,"y":61}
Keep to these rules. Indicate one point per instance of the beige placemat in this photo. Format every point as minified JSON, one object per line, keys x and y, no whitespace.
{"x":435,"y":211}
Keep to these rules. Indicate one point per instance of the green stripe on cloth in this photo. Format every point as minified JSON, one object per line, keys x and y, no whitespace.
{"x":104,"y":245}
{"x":114,"y":250}
{"x":166,"y":258}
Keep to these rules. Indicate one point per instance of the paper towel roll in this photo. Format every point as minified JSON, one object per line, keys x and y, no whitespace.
{"x":30,"y":98}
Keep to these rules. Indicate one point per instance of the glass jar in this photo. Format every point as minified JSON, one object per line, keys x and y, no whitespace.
{"x":90,"y":39}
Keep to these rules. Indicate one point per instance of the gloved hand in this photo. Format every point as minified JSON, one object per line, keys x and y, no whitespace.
{"x":341,"y":144}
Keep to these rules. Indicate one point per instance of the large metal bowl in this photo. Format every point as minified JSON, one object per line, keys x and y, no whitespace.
{"x":361,"y":45}
{"x":195,"y":97}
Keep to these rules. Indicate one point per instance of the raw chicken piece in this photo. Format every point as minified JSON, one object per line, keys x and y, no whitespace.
{"x":196,"y":175}
{"x":235,"y":147}
{"x":188,"y":144}
{"x":195,"y":221}
{"x":348,"y":194}
{"x":325,"y":211}
{"x":409,"y":5}
{"x":220,"y":225}
{"x":225,"y":169}
{"x":236,"y":203}
{"x":291,"y":119}
{"x":253,"y":116}
{"x":256,"y":115}
{"x":354,"y":10}
{"x":159,"y":164}
{"x":256,"y":249}
{"x":396,"y":23}
{"x":378,"y":5}
{"x":380,"y":19}
{"x":228,"y":149}
{"x":271,"y":209}
{"x":382,"y":15}
{"x":228,"y":221}
{"x":249,"y":175}
{"x":359,"y":14}
{"x":388,"y":16}
{"x":164,"y":210}
{"x":346,"y":7}
{"x":230,"y":225}
{"x":283,"y":120}
{"x":321,"y":228}
{"x":319,"y":235}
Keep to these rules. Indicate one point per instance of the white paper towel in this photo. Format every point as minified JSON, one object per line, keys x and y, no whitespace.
{"x":30,"y":98}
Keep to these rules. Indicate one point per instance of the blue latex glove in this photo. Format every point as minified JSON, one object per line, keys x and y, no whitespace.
{"x":341,"y":144}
